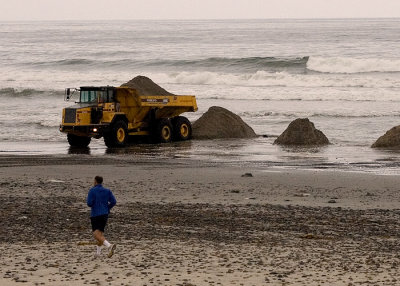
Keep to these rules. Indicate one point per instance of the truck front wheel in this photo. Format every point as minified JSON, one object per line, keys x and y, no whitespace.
{"x":117,"y":136}
{"x":182,"y":128}
{"x":78,"y":141}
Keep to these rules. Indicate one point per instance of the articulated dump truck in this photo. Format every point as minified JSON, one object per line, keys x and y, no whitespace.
{"x":114,"y":113}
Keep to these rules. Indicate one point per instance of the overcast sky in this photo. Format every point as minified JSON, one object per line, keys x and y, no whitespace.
{"x":194,"y":9}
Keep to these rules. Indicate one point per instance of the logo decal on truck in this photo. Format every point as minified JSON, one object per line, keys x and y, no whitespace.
{"x":156,"y":100}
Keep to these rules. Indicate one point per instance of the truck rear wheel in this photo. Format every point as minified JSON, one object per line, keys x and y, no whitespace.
{"x":117,"y":136}
{"x":182,"y":128}
{"x":163,"y":131}
{"x":78,"y":141}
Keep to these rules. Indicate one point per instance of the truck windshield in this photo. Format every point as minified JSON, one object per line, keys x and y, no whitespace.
{"x":88,"y":96}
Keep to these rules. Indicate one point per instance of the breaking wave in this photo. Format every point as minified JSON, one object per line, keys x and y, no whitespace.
{"x":295,"y":65}
{"x":12,"y":92}
{"x":279,"y":79}
{"x":248,"y":64}
{"x":331,"y":114}
{"x":352,"y":65}
{"x":26,"y":92}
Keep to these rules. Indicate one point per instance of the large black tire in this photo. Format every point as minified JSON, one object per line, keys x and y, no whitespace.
{"x":78,"y":141}
{"x":117,"y":136}
{"x":181,"y":128}
{"x":162,"y":131}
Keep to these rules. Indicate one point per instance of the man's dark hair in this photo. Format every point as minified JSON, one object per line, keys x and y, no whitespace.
{"x":98,"y":179}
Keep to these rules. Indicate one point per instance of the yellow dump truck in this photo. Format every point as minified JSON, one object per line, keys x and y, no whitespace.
{"x":116,"y":112}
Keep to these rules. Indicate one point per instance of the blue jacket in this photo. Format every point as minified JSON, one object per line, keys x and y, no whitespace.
{"x":101,"y":200}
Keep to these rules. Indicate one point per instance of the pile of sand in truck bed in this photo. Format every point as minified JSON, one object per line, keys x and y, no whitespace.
{"x":219,"y":122}
{"x":302,"y":132}
{"x":145,"y":86}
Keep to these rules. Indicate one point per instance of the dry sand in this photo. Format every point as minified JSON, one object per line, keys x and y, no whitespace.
{"x":183,"y":222}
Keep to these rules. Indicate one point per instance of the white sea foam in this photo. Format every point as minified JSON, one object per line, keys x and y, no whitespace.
{"x":281,"y":79}
{"x":352,"y":65}
{"x":43,"y":81}
{"x":261,"y":85}
{"x":344,"y":113}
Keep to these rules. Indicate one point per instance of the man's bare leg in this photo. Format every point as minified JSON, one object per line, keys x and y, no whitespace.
{"x":99,"y":236}
{"x":101,"y":240}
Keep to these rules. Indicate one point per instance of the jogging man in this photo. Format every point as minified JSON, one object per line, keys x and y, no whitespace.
{"x":101,"y":200}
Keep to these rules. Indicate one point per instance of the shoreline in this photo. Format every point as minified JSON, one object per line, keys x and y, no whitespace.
{"x":187,"y":222}
{"x":257,"y":153}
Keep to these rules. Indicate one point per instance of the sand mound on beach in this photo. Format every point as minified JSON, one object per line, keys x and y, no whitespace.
{"x":145,"y":86}
{"x":219,"y":122}
{"x":302,"y":132}
{"x":391,"y":139}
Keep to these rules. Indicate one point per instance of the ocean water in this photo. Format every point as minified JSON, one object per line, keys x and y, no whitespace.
{"x":344,"y":75}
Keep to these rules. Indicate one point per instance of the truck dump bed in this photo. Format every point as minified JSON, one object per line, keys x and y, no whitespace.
{"x":136,"y":107}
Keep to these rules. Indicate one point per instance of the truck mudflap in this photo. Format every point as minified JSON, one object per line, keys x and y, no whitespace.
{"x":93,"y":130}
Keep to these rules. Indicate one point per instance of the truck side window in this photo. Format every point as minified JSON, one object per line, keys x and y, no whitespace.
{"x":92,"y":96}
{"x":110,"y":95}
{"x":101,"y":96}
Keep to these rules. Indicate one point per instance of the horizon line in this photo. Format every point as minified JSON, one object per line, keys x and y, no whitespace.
{"x":198,"y":19}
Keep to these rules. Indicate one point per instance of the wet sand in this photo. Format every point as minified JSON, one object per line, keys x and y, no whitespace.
{"x":186,"y":222}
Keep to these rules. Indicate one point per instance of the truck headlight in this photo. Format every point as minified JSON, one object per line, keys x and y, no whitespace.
{"x":94,"y":129}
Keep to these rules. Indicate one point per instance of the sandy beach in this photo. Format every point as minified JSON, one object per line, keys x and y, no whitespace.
{"x":185,"y":222}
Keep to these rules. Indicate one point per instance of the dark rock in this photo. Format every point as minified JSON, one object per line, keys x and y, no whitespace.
{"x":219,"y":122}
{"x":391,"y":139}
{"x":247,"y":175}
{"x":302,"y":132}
